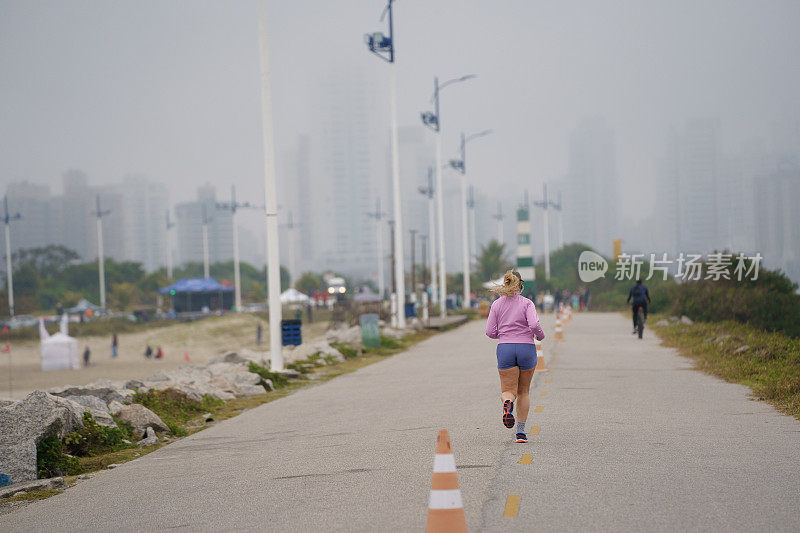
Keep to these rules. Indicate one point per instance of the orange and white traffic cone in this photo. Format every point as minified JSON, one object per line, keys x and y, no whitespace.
{"x":445,"y":509}
{"x":539,"y":357}
{"x":559,"y":336}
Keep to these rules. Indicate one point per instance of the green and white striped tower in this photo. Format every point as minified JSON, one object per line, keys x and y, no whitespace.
{"x":524,"y":251}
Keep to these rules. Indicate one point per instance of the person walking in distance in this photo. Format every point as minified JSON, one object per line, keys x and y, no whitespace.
{"x":86,"y":354}
{"x":114,"y":343}
{"x":514,"y":322}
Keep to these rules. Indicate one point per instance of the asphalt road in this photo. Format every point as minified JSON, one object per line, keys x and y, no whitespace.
{"x":630,"y":439}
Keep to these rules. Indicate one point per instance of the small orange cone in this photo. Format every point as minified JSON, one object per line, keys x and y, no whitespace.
{"x":559,"y":336}
{"x":445,"y":509}
{"x":185,"y":356}
{"x":539,"y":357}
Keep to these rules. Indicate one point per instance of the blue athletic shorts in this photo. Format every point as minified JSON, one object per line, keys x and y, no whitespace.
{"x":511,"y":354}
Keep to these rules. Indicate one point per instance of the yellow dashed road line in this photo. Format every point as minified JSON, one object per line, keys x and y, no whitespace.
{"x":527,"y":458}
{"x":538,"y":409}
{"x":512,"y":505}
{"x":544,"y":393}
{"x":534,"y":430}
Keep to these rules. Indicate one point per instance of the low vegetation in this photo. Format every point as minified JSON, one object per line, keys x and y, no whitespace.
{"x":767,"y":362}
{"x":175,"y":408}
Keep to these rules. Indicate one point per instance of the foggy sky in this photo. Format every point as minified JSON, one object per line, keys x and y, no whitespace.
{"x":170,"y":89}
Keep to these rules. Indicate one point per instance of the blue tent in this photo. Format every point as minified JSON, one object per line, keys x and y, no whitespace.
{"x":195,"y":285}
{"x":194,"y":294}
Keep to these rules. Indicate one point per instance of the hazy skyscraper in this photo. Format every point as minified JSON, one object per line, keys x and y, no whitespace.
{"x":591,"y":195}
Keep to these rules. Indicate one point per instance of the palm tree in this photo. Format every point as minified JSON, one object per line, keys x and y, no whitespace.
{"x":492,"y":261}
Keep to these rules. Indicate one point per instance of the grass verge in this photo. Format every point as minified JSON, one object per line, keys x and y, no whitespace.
{"x":770,"y":365}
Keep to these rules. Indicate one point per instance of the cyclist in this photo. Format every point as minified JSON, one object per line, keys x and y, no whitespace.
{"x":641,"y":297}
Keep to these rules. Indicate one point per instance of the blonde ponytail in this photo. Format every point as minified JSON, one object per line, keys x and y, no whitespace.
{"x":512,"y":284}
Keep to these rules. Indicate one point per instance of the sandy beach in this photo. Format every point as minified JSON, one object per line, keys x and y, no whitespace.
{"x":200,"y":340}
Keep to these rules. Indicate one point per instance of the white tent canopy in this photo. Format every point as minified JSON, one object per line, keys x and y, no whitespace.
{"x":495,"y":283}
{"x":59,"y":351}
{"x":293,"y":296}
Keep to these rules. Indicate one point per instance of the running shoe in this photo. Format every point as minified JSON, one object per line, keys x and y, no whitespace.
{"x":508,"y":417}
{"x":522,"y":437}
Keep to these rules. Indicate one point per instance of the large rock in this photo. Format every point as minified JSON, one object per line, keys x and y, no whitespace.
{"x":313,"y":348}
{"x":96,"y":407}
{"x":220,"y":369}
{"x":227,"y":357}
{"x":251,"y":390}
{"x":150,"y":439}
{"x":90,"y":402}
{"x":140,"y":417}
{"x":105,"y":393}
{"x":25,"y":423}
{"x":686,"y":320}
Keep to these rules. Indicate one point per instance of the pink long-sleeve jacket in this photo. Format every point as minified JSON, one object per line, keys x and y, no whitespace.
{"x":513,"y":319}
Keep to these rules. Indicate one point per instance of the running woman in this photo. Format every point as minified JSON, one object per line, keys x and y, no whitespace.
{"x":513,"y":320}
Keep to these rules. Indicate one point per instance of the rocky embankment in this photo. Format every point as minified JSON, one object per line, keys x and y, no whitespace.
{"x":60,"y":411}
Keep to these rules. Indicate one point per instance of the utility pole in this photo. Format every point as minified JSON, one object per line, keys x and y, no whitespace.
{"x":100,"y":259}
{"x":169,"y":226}
{"x":9,"y":273}
{"x":544,"y":204}
{"x":290,"y":225}
{"x":270,"y":199}
{"x":394,"y":258}
{"x":234,"y":206}
{"x":557,"y":207}
{"x":379,"y":215}
{"x":384,"y":47}
{"x":206,"y":265}
{"x":429,"y":193}
{"x":413,"y":291}
{"x":473,"y":239}
{"x":499,"y":218}
{"x":434,"y":121}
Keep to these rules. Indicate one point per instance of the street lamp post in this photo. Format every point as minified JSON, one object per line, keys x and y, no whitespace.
{"x":546,"y":204}
{"x":169,"y":227}
{"x":557,"y":207}
{"x":413,"y":289}
{"x":234,"y":206}
{"x":100,"y":259}
{"x":429,"y":193}
{"x":379,"y":215}
{"x":460,"y":165}
{"x":384,"y":47}
{"x":270,"y":199}
{"x":499,"y":218}
{"x":206,"y":264}
{"x":472,"y":238}
{"x":434,"y":121}
{"x":9,"y":274}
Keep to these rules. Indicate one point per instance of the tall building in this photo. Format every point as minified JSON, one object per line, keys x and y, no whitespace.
{"x":349,"y":170}
{"x":591,"y":195}
{"x":76,"y":221}
{"x":775,"y":197}
{"x":145,"y":206}
{"x":189,"y":225}
{"x":37,"y":207}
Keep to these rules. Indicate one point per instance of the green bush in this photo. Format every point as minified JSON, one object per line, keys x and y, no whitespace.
{"x":769,"y":303}
{"x":52,"y":460}
{"x":347,"y":352}
{"x":175,"y":408}
{"x":278,"y":380}
{"x":93,"y":439}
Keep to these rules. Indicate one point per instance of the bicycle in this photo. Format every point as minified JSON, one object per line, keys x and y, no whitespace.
{"x":640,"y":321}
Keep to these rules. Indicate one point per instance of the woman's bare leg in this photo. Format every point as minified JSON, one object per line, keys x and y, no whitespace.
{"x":524,"y":394}
{"x":509,"y":383}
